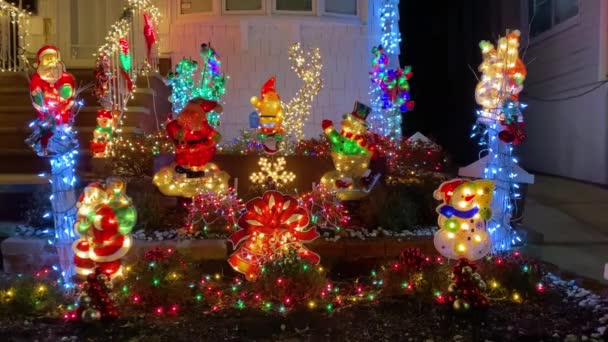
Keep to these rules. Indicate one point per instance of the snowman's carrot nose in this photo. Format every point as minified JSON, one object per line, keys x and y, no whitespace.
{"x":468,"y":198}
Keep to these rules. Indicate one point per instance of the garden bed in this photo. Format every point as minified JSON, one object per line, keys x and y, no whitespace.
{"x":27,"y":254}
{"x":564,"y":313}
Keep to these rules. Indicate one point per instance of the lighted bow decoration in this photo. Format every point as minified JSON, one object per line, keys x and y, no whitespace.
{"x":105,"y":218}
{"x":502,"y":78}
{"x":271,"y":226}
{"x":463,"y":216}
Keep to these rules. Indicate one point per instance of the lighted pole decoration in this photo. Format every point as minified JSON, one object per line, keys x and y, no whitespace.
{"x":501,"y":120}
{"x":351,"y":154}
{"x":53,"y":93}
{"x":195,"y":145}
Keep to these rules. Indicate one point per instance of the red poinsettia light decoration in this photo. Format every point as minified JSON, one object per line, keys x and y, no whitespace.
{"x":271,"y":226}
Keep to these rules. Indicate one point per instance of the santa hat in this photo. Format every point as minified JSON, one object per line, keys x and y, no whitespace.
{"x":104,"y":113}
{"x":47,"y":50}
{"x":200,"y":105}
{"x":446,"y":189}
{"x":268,"y":87}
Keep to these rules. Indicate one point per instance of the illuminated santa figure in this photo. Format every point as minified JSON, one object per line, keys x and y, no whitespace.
{"x":195,"y":145}
{"x":52,"y":90}
{"x":106,"y":216}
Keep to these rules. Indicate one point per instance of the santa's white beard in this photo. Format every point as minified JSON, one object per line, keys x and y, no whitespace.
{"x":50,"y":74}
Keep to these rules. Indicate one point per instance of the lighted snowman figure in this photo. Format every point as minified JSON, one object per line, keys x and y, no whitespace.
{"x":463,"y":217}
{"x":351,"y":154}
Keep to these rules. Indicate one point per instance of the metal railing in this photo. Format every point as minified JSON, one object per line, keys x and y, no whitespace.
{"x":14,"y":24}
{"x":129,"y":52}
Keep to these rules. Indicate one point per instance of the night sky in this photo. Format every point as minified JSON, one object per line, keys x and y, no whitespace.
{"x":440,"y":41}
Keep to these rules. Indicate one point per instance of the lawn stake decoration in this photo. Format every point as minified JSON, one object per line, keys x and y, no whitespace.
{"x":463,"y":216}
{"x":271,"y":226}
{"x":467,"y":288}
{"x":195,"y":145}
{"x":106,"y":217}
{"x":351,"y":154}
{"x":53,"y":95}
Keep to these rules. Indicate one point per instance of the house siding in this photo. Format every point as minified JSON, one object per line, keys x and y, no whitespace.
{"x":567,"y":138}
{"x":254,"y":50}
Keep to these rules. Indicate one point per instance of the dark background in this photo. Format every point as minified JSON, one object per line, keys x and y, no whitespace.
{"x":440,"y":40}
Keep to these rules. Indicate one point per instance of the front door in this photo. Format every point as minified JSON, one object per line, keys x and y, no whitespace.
{"x":83,"y":26}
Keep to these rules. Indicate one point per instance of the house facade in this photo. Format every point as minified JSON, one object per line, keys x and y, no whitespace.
{"x":252,"y":38}
{"x":567,"y":114}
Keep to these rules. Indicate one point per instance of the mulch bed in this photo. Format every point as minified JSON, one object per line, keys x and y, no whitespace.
{"x":402,"y":319}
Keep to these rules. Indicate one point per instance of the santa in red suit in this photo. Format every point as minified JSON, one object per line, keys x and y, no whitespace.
{"x":195,"y":139}
{"x":52,"y":90}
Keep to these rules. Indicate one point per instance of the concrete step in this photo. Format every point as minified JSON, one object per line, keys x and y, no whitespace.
{"x":12,"y":139}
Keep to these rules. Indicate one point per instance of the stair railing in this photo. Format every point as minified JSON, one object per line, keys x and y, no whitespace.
{"x":14,"y":25}
{"x":130,"y":50}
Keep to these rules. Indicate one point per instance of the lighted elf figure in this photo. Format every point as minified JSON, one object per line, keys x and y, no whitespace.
{"x":195,"y":145}
{"x":351,"y":154}
{"x":270,"y":116}
{"x":106,"y":216}
{"x":52,"y":91}
{"x":103,"y":133}
{"x":463,"y":217}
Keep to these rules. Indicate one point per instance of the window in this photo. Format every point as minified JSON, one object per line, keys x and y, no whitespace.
{"x":545,"y":14}
{"x":195,"y":6}
{"x":342,"y":7}
{"x":28,"y":5}
{"x":293,"y":5}
{"x":243,"y":5}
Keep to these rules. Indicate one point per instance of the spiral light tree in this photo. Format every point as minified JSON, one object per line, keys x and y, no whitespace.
{"x":53,"y":93}
{"x":501,"y":120}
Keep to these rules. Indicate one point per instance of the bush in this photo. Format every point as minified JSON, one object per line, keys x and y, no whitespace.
{"x":401,"y":206}
{"x":154,"y":210}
